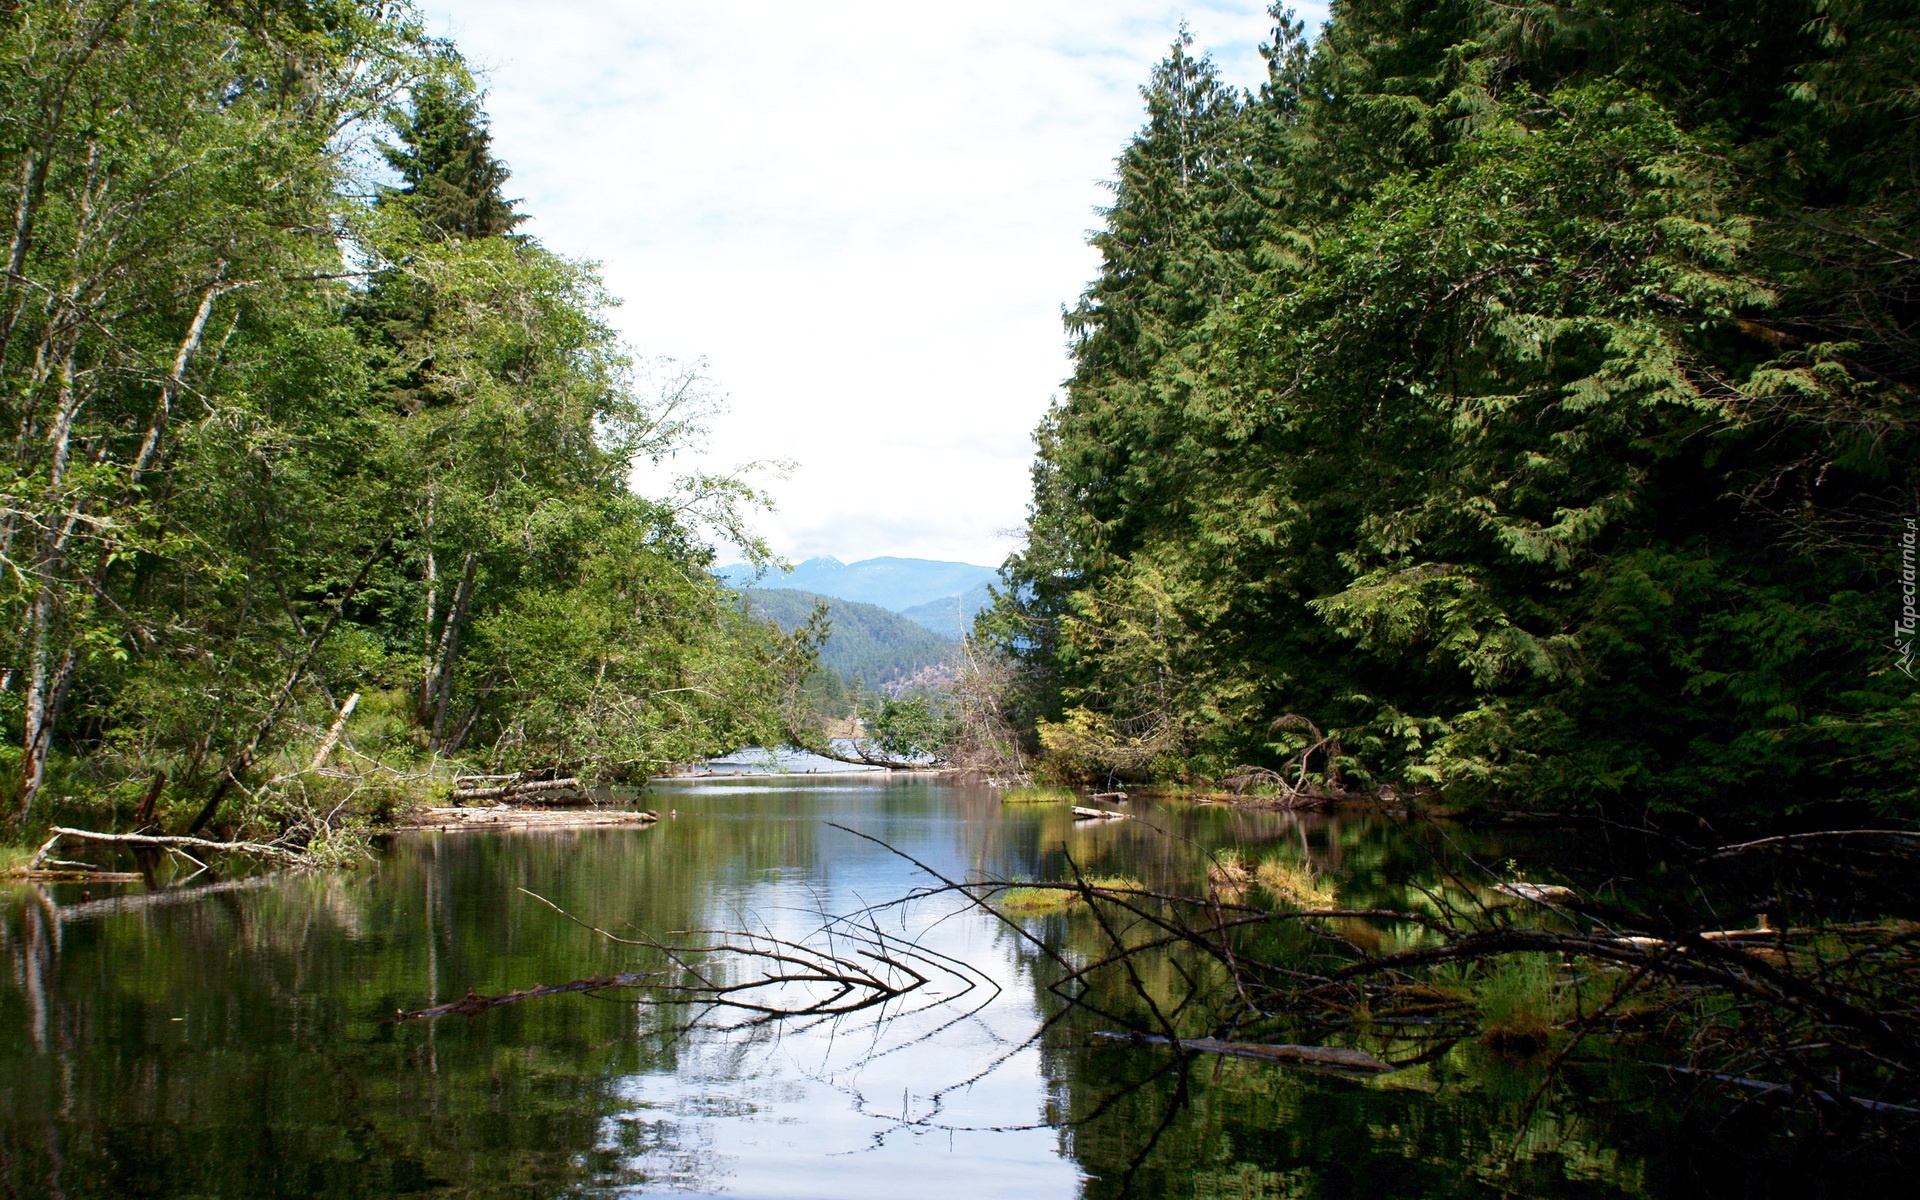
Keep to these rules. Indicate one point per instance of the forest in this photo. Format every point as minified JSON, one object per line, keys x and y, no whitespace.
{"x":1509,"y":404}
{"x":303,"y":426}
{"x":1506,"y":404}
{"x":1449,"y":726}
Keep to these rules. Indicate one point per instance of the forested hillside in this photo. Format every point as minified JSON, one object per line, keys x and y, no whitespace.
{"x":951,"y":616}
{"x":863,"y":640}
{"x":1510,"y":400}
{"x":295,"y":412}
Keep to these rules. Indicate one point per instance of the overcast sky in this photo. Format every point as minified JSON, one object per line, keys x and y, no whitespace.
{"x":865,"y":215}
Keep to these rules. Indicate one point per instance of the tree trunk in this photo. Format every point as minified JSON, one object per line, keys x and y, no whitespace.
{"x":47,"y":690}
{"x":230,"y":774}
{"x":325,"y":751}
{"x":40,"y":707}
{"x":450,"y":650}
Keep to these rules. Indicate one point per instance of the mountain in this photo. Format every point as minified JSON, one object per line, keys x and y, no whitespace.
{"x":892,"y":583}
{"x":951,"y":616}
{"x":866,"y":640}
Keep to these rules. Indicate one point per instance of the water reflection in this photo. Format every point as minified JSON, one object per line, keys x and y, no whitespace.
{"x":243,"y":1044}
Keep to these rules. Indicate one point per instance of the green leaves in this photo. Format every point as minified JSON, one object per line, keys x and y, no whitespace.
{"x":235,"y":368}
{"x":1481,"y":456}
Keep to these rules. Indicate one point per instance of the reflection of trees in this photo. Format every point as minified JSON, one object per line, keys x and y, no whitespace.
{"x":284,"y":1075}
{"x":1404,"y":966}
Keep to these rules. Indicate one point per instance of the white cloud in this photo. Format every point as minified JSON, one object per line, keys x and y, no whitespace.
{"x":865,"y":216}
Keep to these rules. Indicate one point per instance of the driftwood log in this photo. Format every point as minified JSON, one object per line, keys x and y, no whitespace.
{"x":446,"y":819}
{"x":507,"y":791}
{"x":256,"y":849}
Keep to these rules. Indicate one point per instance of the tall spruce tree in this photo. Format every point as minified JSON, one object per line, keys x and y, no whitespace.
{"x":451,"y":180}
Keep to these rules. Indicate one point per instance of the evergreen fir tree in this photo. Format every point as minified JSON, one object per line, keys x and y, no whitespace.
{"x":445,"y":158}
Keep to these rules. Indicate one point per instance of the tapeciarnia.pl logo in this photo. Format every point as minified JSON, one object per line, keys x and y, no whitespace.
{"x":1903,"y":625}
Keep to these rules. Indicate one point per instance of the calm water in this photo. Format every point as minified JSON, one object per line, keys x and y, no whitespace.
{"x":242,"y":1044}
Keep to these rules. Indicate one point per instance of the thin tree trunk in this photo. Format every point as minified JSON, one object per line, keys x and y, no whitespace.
{"x":325,"y":751}
{"x":176,"y":379}
{"x":46,"y":692}
{"x":433,"y":605}
{"x":37,"y":731}
{"x":230,"y":773}
{"x":33,"y":171}
{"x":144,"y":814}
{"x":466,"y":725}
{"x":39,"y":707}
{"x":450,"y":649}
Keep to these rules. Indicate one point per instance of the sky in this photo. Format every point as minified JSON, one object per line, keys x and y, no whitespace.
{"x":864,"y":216}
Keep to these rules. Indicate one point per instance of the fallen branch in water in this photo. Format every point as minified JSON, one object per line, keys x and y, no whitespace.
{"x":1764,"y":1089}
{"x":473,"y":1004}
{"x":257,"y":849}
{"x":1352,"y":1062}
{"x":1793,"y":839}
{"x":1823,"y":985}
{"x":771,"y":978}
{"x":862,"y":756}
{"x":166,"y":896}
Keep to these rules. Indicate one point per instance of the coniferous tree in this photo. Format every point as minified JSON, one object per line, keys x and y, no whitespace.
{"x":451,"y":180}
{"x":1526,"y":416}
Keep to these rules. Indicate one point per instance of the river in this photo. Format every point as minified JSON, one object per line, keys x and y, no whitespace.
{"x":242,"y":1043}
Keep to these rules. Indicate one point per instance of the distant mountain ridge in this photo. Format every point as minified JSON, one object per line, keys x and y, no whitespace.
{"x":951,"y":616}
{"x":895,"y":584}
{"x":881,"y":647}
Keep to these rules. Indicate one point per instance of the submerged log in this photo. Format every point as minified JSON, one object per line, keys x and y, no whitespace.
{"x":166,"y":896}
{"x":1096,"y":814}
{"x":1539,"y":893}
{"x":72,"y":875}
{"x":473,"y":1004}
{"x":1332,"y":1058}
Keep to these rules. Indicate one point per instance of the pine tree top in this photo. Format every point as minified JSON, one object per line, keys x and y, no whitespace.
{"x":445,"y":160}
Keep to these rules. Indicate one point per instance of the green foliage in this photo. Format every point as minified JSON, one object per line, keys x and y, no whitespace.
{"x":451,"y":180}
{"x":1519,"y":1003}
{"x":913,"y":727}
{"x":286,"y":434}
{"x":1045,"y":901}
{"x":1499,"y":397}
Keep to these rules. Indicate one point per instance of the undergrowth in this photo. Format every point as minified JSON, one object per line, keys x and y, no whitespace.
{"x":1038,"y":794}
{"x":1041,"y":901}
